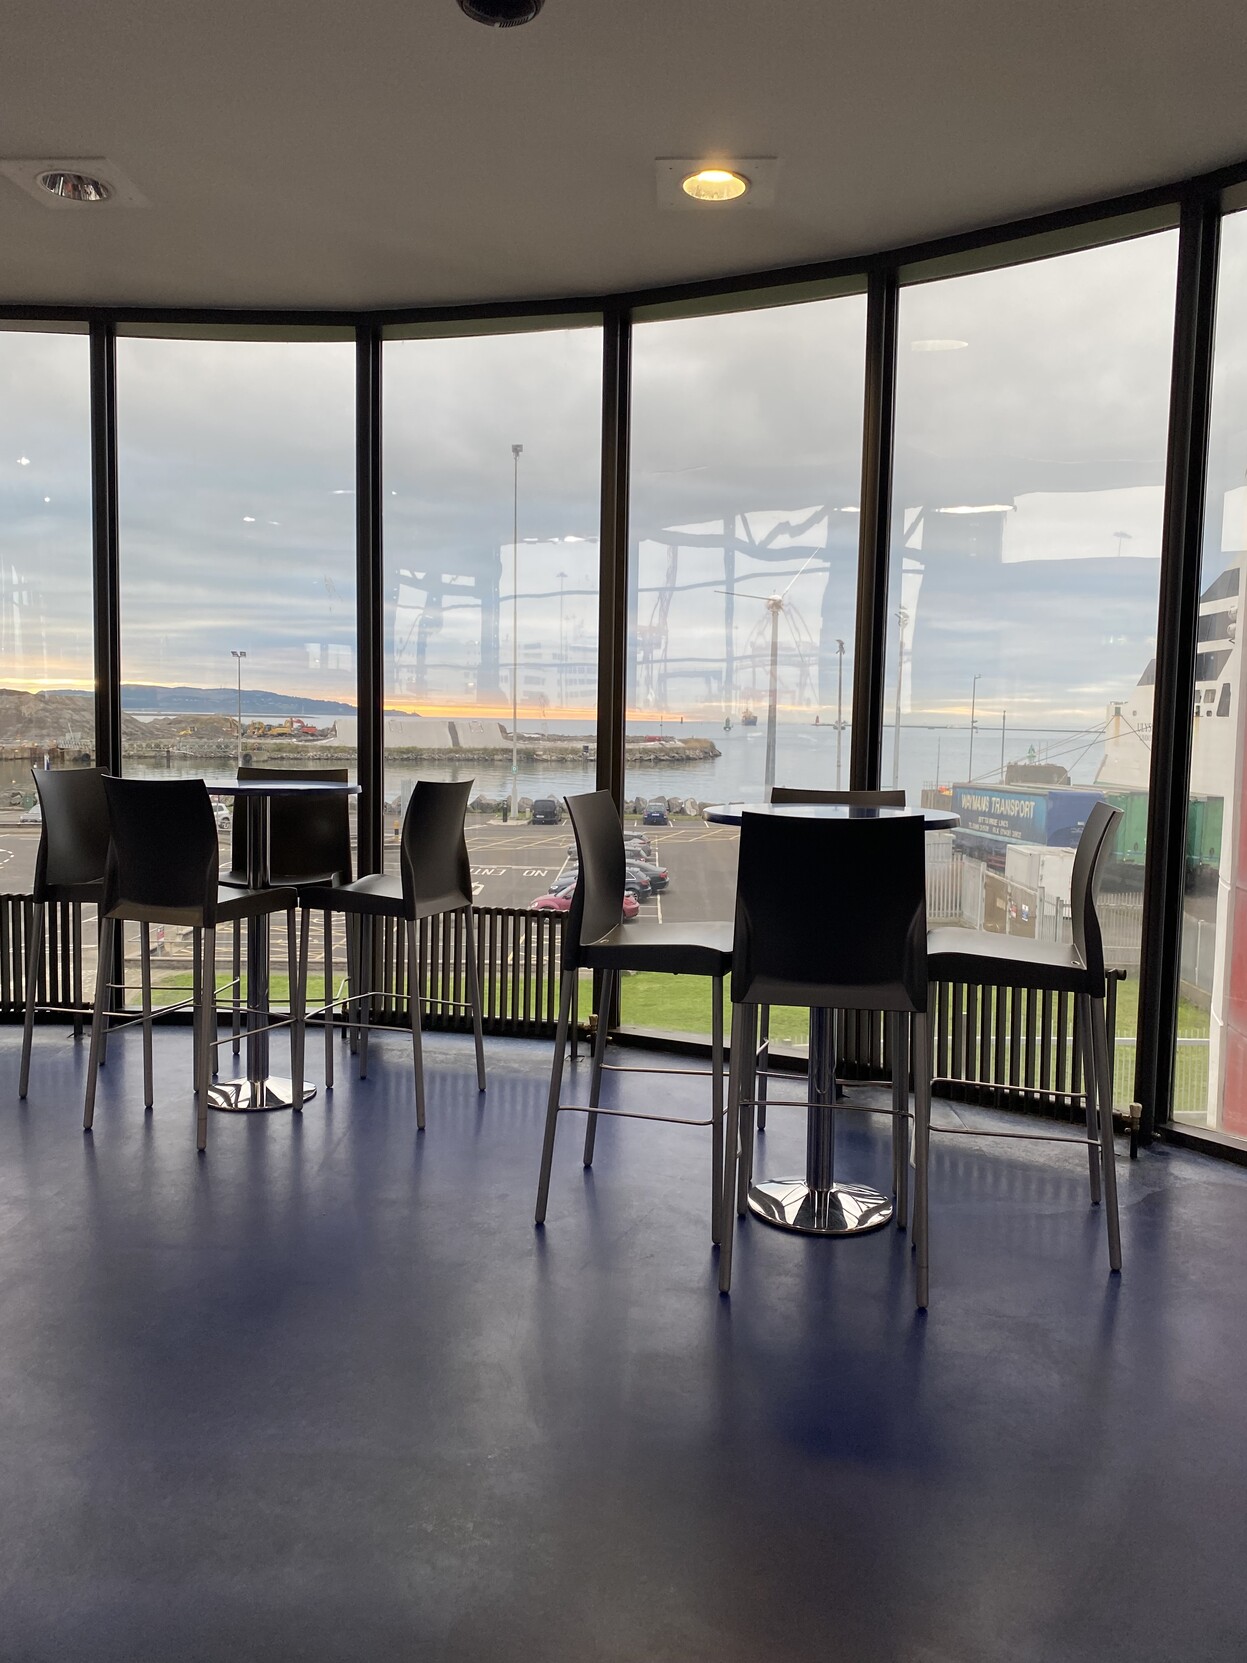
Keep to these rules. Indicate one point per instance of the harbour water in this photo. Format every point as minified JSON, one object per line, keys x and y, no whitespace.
{"x":805,"y":755}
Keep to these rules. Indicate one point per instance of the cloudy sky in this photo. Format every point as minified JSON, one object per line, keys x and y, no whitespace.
{"x":237,"y":513}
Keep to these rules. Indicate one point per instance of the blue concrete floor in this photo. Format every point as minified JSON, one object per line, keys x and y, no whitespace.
{"x":327,"y":1393}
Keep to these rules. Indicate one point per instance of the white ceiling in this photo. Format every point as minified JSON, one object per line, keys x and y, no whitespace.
{"x":371,"y":153}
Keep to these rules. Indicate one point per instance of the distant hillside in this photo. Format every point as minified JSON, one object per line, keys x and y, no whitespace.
{"x":218,"y":701}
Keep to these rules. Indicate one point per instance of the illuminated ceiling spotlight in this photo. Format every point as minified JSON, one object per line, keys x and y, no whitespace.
{"x":698,"y":182}
{"x":715,"y":184}
{"x":937,"y":346}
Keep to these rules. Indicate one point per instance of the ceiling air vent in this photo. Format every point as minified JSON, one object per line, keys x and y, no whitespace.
{"x":501,"y":14}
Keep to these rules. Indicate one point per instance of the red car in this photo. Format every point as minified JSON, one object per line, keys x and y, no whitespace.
{"x":563,"y":901}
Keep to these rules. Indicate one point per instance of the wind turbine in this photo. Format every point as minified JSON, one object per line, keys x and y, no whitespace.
{"x":777,"y":606}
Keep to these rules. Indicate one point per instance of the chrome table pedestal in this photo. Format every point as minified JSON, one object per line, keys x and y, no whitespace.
{"x":816,"y":1205}
{"x":259,"y":1090}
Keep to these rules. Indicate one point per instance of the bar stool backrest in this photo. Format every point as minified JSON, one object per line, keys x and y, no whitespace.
{"x":831,"y":913}
{"x":597,"y":901}
{"x":73,"y":836}
{"x":1093,"y":846}
{"x":856,"y":799}
{"x":163,"y":850}
{"x":309,"y":836}
{"x":437,"y":874}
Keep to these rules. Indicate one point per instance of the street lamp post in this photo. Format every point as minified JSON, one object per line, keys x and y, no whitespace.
{"x":238,"y":657}
{"x":516,"y":452}
{"x":775,"y":605}
{"x":839,"y":706}
{"x":1002,"y":746}
{"x":562,"y":648}
{"x":902,"y":618}
{"x":974,"y":688}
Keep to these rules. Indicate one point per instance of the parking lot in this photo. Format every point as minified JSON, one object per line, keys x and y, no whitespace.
{"x":512,"y":864}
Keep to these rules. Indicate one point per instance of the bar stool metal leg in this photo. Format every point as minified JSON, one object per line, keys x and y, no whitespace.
{"x":764,"y":1047}
{"x":1082,"y":1007}
{"x":296,"y":1013}
{"x":609,"y":980}
{"x":1104,"y":1096}
{"x":99,"y":1016}
{"x":236,"y":1026}
{"x":207,"y":1036}
{"x":414,"y":1009}
{"x":900,"y":1117}
{"x":556,"y":1087}
{"x":922,"y":1150}
{"x":145,"y":983}
{"x":731,"y":1153}
{"x":474,"y":994}
{"x":716,"y":1109}
{"x":34,"y":962}
{"x":329,"y":990}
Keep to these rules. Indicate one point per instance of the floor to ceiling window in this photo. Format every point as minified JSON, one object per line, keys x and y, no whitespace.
{"x":236,"y":479}
{"x":1210,"y":1065}
{"x":745,"y":476}
{"x":47,"y":665}
{"x":1031,"y":422}
{"x":491,"y":472}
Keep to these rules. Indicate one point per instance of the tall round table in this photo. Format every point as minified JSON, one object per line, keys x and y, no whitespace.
{"x":259,"y":1089}
{"x":817,"y":1205}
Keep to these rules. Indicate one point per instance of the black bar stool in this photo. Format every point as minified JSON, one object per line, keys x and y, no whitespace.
{"x":802,"y":794}
{"x":855,"y":940}
{"x":983,"y":959}
{"x":162,"y":869}
{"x":597,"y":939}
{"x":435,"y":880}
{"x":69,"y":869}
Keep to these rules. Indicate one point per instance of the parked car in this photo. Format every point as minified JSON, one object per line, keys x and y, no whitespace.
{"x":221,"y":814}
{"x":563,"y":900}
{"x":656,"y":813}
{"x":635,"y":881}
{"x":33,"y":816}
{"x":637,"y":847}
{"x":546,"y":812}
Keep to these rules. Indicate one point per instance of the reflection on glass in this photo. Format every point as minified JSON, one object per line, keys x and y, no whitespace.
{"x":237,"y":524}
{"x":745,"y":475}
{"x":47,"y":669}
{"x":1029,"y":484}
{"x":491,"y":488}
{"x":1210,"y":1064}
{"x":237,"y":520}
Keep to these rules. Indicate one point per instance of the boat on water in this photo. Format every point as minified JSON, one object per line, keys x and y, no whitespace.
{"x":747,"y":718}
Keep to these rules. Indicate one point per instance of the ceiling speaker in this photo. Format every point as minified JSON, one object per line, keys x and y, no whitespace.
{"x":501,"y":14}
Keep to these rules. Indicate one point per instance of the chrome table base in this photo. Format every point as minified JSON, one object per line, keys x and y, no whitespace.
{"x":253,"y":1096}
{"x":842,"y":1210}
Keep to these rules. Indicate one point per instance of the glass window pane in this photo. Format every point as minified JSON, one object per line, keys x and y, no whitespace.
{"x":237,"y":523}
{"x":237,"y":516}
{"x":1210,"y":1066}
{"x":745,"y":475}
{"x":1032,"y":409}
{"x":492,"y":510}
{"x":47,"y":665}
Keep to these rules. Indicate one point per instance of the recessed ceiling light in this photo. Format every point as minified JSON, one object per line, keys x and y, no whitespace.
{"x":937,"y":346}
{"x":501,"y":14}
{"x":714,"y":184}
{"x":75,"y":187}
{"x":23,"y":461}
{"x":689,"y":182}
{"x":73,"y":184}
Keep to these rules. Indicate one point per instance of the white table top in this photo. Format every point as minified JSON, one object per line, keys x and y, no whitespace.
{"x":280,"y":788}
{"x":729,"y":814}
